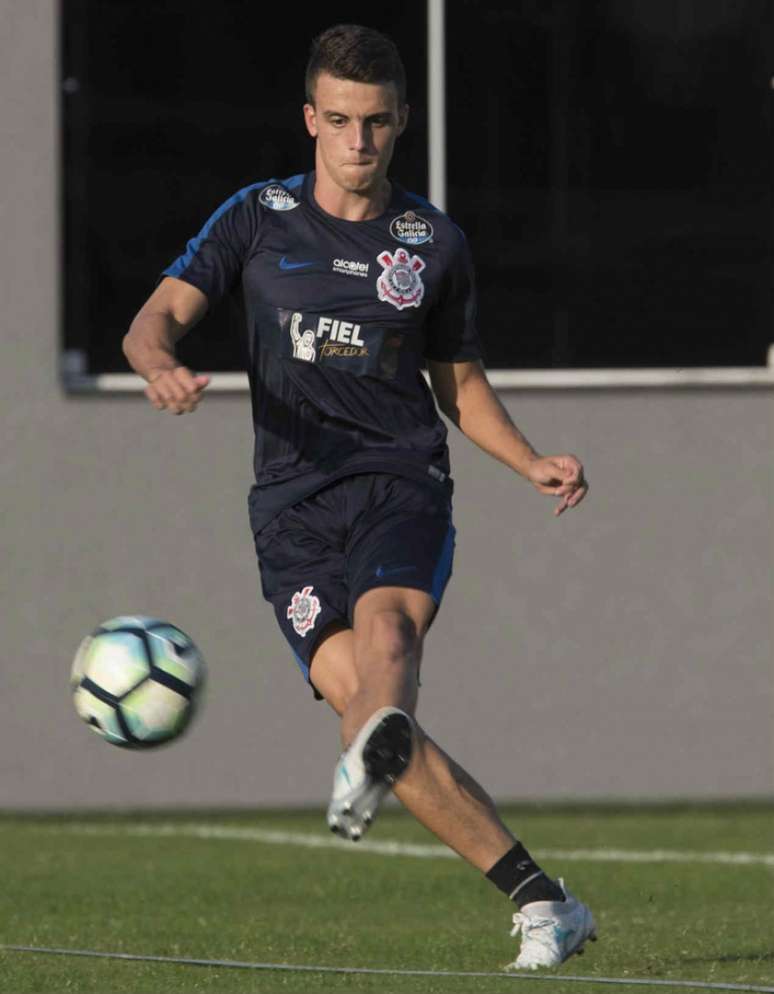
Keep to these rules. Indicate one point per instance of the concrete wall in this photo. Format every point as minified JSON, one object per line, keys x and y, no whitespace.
{"x":622,"y":650}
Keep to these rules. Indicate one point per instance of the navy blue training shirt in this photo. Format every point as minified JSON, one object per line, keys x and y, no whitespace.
{"x":340,"y":316}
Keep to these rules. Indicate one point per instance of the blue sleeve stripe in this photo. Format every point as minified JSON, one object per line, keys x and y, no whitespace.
{"x":294,"y":181}
{"x":182,"y":263}
{"x":443,"y":569}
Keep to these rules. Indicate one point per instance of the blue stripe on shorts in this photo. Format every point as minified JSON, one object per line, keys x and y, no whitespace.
{"x":443,"y":569}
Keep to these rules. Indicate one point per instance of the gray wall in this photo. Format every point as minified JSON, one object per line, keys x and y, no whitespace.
{"x":622,"y":650}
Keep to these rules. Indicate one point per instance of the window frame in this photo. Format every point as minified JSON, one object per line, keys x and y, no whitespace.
{"x":74,"y":362}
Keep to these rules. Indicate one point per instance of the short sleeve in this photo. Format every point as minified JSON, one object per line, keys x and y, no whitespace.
{"x":213,"y":260}
{"x":452,"y":334}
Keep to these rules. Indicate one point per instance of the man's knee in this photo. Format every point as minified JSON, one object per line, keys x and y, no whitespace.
{"x":389,"y":638}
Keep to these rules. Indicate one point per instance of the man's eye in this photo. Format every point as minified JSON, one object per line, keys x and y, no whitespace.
{"x":337,"y":121}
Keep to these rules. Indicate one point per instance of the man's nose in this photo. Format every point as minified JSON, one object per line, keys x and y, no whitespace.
{"x":359,"y":138}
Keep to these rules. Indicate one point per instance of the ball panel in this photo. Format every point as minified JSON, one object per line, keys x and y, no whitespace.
{"x":77,"y":670}
{"x":176,"y":654}
{"x":153,"y":713}
{"x":100,"y":716}
{"x":129,"y":621}
{"x":116,"y":661}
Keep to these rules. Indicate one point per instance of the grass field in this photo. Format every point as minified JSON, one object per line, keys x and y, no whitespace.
{"x":253,"y":887}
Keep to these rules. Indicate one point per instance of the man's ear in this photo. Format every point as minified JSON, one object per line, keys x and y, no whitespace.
{"x":403,"y":115}
{"x":310,"y":119}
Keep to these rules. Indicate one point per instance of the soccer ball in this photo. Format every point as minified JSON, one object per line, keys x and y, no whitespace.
{"x":136,"y":681}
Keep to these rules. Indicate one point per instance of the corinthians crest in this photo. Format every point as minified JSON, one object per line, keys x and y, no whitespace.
{"x":399,"y":283}
{"x":303,"y":610}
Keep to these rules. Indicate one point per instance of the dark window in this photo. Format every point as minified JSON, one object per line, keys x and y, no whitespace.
{"x":170,"y":107}
{"x":611,"y":162}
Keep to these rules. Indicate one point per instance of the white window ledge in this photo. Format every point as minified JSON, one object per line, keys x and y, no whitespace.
{"x":501,"y":379}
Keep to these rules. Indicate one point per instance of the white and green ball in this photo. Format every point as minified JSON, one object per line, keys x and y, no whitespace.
{"x":137,"y":681}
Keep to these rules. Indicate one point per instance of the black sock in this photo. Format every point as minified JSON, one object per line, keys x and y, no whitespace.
{"x":519,"y":876}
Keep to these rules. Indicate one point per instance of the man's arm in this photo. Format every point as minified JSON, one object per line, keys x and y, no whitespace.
{"x":466,"y":397}
{"x":172,"y":309}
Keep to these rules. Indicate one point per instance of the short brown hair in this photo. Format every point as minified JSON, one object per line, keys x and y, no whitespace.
{"x":350,"y":51}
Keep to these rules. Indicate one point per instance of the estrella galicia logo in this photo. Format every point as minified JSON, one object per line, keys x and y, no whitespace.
{"x":277,"y":198}
{"x":411,"y":229}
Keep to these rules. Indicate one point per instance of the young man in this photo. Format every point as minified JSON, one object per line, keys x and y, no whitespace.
{"x":350,"y":282}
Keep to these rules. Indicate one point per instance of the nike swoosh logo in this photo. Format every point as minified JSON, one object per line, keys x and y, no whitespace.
{"x":381,"y":571}
{"x":285,"y":263}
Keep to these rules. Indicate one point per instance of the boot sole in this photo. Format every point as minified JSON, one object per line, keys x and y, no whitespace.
{"x":387,"y":753}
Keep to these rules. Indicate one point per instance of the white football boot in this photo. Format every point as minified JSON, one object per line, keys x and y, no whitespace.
{"x":552,"y":931}
{"x":367,"y":770}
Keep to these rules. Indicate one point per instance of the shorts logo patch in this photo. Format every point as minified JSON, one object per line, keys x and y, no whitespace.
{"x":399,"y":283}
{"x":303,"y":610}
{"x":411,"y":229}
{"x":277,"y":198}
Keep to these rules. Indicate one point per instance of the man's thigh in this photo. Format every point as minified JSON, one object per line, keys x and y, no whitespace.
{"x":303,"y":575}
{"x":402,"y":537}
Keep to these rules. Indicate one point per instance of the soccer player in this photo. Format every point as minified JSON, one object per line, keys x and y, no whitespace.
{"x":350,"y":283}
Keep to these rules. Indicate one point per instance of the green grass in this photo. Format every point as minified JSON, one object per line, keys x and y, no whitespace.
{"x":245,"y":900}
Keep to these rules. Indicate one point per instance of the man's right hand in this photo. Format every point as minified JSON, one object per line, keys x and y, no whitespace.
{"x":176,"y":390}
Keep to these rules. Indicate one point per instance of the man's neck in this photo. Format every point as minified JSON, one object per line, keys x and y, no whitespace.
{"x":351,"y":206}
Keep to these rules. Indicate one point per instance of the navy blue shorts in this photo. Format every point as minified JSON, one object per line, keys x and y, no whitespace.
{"x":371,"y":530}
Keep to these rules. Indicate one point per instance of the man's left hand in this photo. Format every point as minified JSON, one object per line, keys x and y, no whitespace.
{"x":559,"y":476}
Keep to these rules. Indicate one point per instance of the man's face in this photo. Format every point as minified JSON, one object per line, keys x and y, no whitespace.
{"x":355,"y":125}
